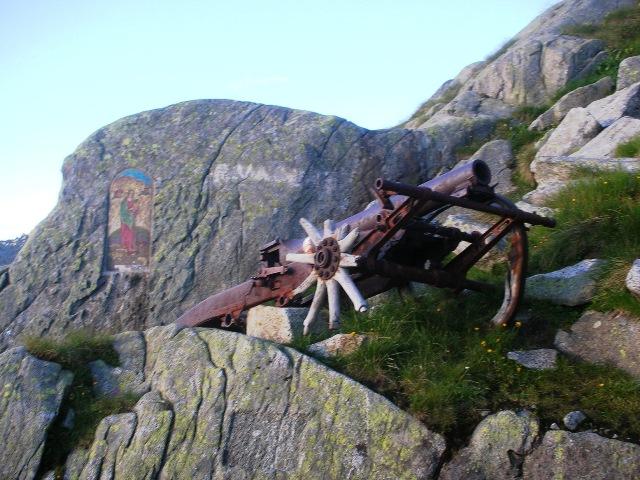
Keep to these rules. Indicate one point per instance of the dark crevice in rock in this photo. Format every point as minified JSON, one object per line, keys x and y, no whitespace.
{"x":77,"y":303}
{"x":4,"y":279}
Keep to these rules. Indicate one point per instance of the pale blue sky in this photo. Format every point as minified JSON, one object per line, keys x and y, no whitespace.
{"x":70,"y":67}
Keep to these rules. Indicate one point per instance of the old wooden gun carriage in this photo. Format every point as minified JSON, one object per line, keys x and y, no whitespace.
{"x":395,"y":240}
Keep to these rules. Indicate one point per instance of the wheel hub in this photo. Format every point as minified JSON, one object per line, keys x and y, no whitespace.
{"x":327,"y":258}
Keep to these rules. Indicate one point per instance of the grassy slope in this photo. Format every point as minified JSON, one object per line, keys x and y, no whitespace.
{"x":437,"y":356}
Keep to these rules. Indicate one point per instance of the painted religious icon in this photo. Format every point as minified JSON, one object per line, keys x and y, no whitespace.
{"x":129,"y":229}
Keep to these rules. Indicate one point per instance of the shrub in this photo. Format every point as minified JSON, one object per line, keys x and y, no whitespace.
{"x":630,"y":148}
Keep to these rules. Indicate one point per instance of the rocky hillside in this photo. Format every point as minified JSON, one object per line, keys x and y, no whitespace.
{"x":10,"y":248}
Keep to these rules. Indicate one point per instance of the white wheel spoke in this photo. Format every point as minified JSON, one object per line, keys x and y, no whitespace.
{"x":348,"y":260}
{"x":343,"y":278}
{"x":328,"y":228}
{"x":342,"y":232}
{"x":334,"y":304}
{"x":300,"y":258}
{"x":306,"y":283}
{"x":318,"y":299}
{"x":347,"y":243}
{"x":311,"y":231}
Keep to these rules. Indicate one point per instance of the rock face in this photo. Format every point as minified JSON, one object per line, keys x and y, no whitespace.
{"x":571,"y":286}
{"x":490,"y":454}
{"x":225,"y":405}
{"x":604,"y":338}
{"x":580,"y":97}
{"x":582,"y":455}
{"x":32,"y":391}
{"x":227,"y":177}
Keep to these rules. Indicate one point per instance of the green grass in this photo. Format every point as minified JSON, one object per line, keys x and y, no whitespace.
{"x":598,"y":217}
{"x":629,"y":149}
{"x":437,"y":357}
{"x":74,"y":352}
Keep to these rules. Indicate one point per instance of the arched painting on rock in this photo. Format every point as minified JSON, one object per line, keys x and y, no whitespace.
{"x":129,"y":228}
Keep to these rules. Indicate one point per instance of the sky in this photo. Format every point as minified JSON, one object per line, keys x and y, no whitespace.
{"x":69,"y":67}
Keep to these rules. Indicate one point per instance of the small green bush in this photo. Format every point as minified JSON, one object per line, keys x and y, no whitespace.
{"x":629,"y":149}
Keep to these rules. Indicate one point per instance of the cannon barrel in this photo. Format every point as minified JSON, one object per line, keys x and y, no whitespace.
{"x":454,"y":183}
{"x":425,"y":193}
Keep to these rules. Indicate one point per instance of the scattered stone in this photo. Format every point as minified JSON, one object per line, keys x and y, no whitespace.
{"x":603,"y":338}
{"x":577,"y":128}
{"x":629,"y":72}
{"x":281,"y":325}
{"x":498,"y":154}
{"x":570,"y":286}
{"x":340,"y":344}
{"x":582,"y":455}
{"x":572,"y":420}
{"x":633,"y":278}
{"x":261,"y":407}
{"x":540,"y":359}
{"x":31,"y":391}
{"x":580,"y":97}
{"x":604,"y":145}
{"x":554,"y":426}
{"x":623,"y":103}
{"x":543,"y":193}
{"x":490,"y":454}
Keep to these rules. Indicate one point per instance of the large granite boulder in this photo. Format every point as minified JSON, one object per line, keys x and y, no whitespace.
{"x":496,"y":448}
{"x":623,"y":103}
{"x":224,"y":178}
{"x":597,"y":337}
{"x":225,"y":405}
{"x":31,"y":392}
{"x":629,"y":72}
{"x":532,"y":70}
{"x":580,"y":97}
{"x":605,"y":144}
{"x":576,"y":130}
{"x":582,"y":455}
